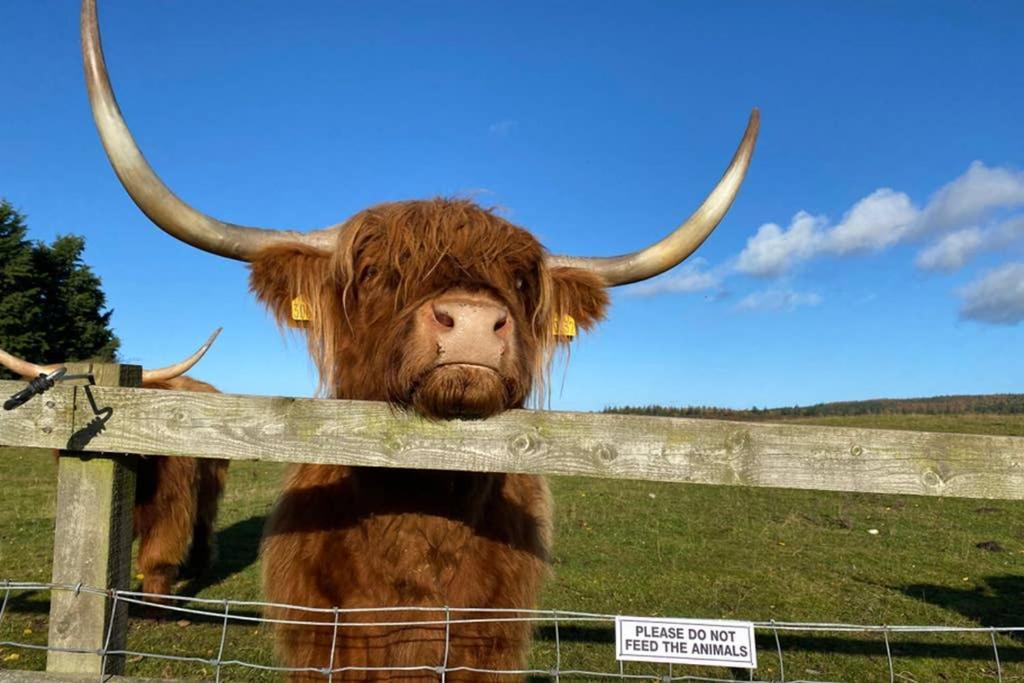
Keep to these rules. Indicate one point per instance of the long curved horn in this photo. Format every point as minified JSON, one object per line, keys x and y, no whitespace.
{"x":673,"y":249}
{"x":172,"y":371}
{"x":156,"y":200}
{"x":26,"y":369}
{"x":23,"y":367}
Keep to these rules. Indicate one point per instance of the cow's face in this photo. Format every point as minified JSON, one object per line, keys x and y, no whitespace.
{"x":438,"y":305}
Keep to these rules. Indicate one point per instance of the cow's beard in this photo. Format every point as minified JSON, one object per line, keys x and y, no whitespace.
{"x":464,"y":391}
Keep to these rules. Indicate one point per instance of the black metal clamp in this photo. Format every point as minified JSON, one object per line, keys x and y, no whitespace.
{"x":35,"y":387}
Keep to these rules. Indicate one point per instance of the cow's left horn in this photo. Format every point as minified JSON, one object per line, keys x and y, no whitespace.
{"x":155,"y":199}
{"x":172,"y":371}
{"x":673,"y":249}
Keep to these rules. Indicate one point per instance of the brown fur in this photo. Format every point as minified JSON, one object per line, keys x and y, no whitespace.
{"x":361,"y":537}
{"x":176,"y":501}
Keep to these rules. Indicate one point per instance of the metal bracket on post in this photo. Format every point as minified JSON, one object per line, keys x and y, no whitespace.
{"x":92,"y":542}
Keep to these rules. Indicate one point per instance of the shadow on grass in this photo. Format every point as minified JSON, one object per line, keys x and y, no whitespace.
{"x":38,"y":603}
{"x":1000,"y":602}
{"x":238,"y":547}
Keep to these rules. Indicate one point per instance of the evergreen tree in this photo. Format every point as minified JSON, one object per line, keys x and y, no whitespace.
{"x":51,"y":303}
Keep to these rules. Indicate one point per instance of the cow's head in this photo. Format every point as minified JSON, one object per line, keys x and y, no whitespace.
{"x":437,"y":304}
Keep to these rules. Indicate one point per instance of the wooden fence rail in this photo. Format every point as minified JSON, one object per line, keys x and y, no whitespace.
{"x":95,"y":493}
{"x":51,"y":677}
{"x":236,"y":427}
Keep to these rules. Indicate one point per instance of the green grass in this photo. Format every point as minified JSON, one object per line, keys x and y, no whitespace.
{"x":978,"y":423}
{"x":653,"y":549}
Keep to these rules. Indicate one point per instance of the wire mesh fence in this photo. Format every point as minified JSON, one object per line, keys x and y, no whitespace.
{"x":226,"y":614}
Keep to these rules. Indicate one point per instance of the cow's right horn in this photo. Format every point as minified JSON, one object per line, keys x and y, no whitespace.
{"x":156,"y":200}
{"x":675,"y":247}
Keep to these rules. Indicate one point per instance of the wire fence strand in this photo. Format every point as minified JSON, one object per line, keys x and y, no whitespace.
{"x":227,"y":612}
{"x":995,"y":651}
{"x":110,"y":634}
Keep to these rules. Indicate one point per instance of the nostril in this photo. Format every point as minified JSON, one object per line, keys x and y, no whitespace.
{"x":500,"y":323}
{"x":443,"y":318}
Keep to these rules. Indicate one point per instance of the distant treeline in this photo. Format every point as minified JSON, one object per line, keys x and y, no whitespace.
{"x":1003,"y":404}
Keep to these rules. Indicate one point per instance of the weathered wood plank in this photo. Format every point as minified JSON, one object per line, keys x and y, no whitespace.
{"x":43,"y":677}
{"x":596,"y":445}
{"x":92,"y":539}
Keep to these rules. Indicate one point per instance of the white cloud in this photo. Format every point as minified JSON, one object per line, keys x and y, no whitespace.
{"x":503,"y":127}
{"x":874,"y":223}
{"x":773,"y":251}
{"x":961,"y":212}
{"x":778,"y":300}
{"x":878,"y":221}
{"x":1008,"y":232}
{"x":971,"y":197}
{"x":982,"y":210}
{"x":692,"y":276}
{"x":951,"y":252}
{"x":996,"y":297}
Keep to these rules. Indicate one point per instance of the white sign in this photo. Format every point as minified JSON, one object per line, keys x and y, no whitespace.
{"x":685,"y":641}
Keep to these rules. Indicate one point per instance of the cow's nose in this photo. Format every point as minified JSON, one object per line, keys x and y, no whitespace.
{"x":470,"y":331}
{"x":471,"y":317}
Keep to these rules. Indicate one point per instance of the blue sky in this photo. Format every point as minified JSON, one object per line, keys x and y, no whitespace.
{"x":876,"y":249}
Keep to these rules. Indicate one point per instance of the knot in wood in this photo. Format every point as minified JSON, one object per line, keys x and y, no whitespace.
{"x":738,"y":440}
{"x":522,"y":444}
{"x":856,"y":451}
{"x":932,"y":479}
{"x":605,"y":453}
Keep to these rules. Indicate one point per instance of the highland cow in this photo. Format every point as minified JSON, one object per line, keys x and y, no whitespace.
{"x":176,"y":505}
{"x":176,"y":499}
{"x":436,"y":306}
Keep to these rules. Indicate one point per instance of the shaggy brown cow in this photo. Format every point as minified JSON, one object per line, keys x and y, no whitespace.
{"x":442,"y":307}
{"x":176,"y":503}
{"x":176,"y":499}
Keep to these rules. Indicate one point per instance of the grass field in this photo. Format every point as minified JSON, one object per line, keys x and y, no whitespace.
{"x":652,"y":549}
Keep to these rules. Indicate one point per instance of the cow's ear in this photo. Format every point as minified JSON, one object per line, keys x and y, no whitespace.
{"x":580,"y":294}
{"x":294,"y":282}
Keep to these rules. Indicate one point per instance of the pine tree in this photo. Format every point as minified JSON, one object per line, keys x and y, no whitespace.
{"x":21,"y":306}
{"x":52,"y":307}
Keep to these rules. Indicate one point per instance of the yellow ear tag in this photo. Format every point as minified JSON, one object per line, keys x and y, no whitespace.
{"x":300,"y":310}
{"x":566,"y":327}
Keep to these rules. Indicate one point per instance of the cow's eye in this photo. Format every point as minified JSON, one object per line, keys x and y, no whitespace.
{"x":520,"y":283}
{"x":368,"y":272}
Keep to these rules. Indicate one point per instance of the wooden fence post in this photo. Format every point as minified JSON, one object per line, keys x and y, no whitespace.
{"x":92,"y":543}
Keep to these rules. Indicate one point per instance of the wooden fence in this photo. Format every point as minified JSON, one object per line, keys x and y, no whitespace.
{"x":96,"y":425}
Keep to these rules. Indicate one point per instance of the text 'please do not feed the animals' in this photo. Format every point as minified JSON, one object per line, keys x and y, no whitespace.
{"x":686,"y":641}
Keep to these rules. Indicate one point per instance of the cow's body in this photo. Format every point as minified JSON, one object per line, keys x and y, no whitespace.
{"x":361,"y":537}
{"x":176,"y":501}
